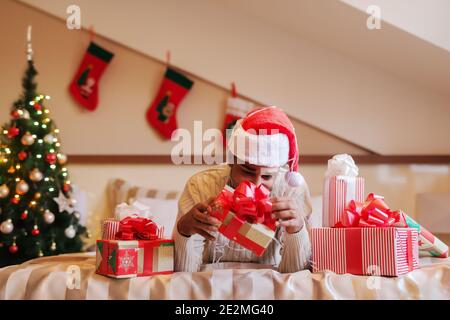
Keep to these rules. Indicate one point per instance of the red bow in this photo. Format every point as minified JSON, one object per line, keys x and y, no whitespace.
{"x":374,"y":212}
{"x":249,"y":202}
{"x":135,"y":228}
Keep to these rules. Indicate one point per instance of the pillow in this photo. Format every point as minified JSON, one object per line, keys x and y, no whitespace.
{"x":163,"y":211}
{"x":119,"y":190}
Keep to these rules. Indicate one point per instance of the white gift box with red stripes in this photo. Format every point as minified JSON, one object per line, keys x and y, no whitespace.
{"x":109,"y":228}
{"x":365,"y":251}
{"x":338,"y":191}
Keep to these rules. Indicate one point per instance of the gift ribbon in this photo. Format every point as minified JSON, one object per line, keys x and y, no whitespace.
{"x":374,"y":212}
{"x":137,"y":228}
{"x":249,"y":202}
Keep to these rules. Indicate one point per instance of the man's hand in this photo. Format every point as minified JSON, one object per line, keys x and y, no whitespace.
{"x":197,"y":220}
{"x":287,"y":214}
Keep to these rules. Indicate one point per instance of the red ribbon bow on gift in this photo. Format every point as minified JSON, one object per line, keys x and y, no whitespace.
{"x":137,"y":228}
{"x":374,"y":212}
{"x":249,"y":202}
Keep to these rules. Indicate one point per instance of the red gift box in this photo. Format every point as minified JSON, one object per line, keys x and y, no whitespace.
{"x":387,"y":251}
{"x":137,"y":250}
{"x":134,"y":258}
{"x":245,"y":215}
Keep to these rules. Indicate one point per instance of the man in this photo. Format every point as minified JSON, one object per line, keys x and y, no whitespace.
{"x":264,"y":151}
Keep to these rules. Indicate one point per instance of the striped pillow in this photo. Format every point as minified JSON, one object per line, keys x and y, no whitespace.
{"x":120,"y":191}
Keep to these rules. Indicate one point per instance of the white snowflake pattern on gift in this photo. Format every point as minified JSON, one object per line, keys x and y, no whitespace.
{"x":126,"y":262}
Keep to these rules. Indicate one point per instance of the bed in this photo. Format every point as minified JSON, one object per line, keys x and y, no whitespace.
{"x":73,"y":277}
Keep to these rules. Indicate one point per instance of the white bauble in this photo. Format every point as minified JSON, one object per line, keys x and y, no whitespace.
{"x":25,"y":114}
{"x":36,"y":175}
{"x":49,"y":138}
{"x":4,"y":191}
{"x":70,"y":232}
{"x":62,"y":158}
{"x":6,"y":227}
{"x":49,"y":217}
{"x":22,"y":187}
{"x":27,"y":139}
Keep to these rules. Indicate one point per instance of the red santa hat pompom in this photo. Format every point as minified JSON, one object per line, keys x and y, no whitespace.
{"x":266,"y":137}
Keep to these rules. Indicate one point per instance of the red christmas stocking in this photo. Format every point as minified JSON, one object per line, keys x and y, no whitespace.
{"x":237,"y":108}
{"x":84,"y":86}
{"x":162,"y":112}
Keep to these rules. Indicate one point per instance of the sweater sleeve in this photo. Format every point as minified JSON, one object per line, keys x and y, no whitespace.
{"x":296,"y":250}
{"x":188,"y":250}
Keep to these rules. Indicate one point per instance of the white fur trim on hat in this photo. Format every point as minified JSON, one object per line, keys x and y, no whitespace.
{"x":262,"y":150}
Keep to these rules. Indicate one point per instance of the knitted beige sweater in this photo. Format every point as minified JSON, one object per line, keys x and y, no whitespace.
{"x":290,"y":253}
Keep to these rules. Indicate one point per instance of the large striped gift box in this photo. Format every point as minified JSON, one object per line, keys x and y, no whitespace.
{"x":338,"y":191}
{"x":134,"y":258}
{"x":365,"y":251}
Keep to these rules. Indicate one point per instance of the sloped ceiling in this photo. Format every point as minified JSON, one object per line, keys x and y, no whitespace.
{"x":387,"y":90}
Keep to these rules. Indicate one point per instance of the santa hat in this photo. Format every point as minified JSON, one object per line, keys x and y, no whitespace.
{"x":266,"y":137}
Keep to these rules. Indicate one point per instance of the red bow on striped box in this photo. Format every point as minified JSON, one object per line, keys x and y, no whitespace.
{"x":246,"y":216}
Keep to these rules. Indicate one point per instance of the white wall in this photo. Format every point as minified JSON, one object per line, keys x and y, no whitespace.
{"x":356,"y":101}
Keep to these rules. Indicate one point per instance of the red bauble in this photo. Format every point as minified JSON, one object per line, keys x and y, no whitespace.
{"x":15,"y":200}
{"x":35,"y":232}
{"x":66,"y":187}
{"x":15,"y":114}
{"x":12,"y":132}
{"x":13,"y":248}
{"x":37,"y":106}
{"x":22,"y":155}
{"x":24,"y":215}
{"x":50,"y":158}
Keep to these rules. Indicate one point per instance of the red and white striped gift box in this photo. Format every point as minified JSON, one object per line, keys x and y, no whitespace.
{"x":365,"y":251}
{"x":338,"y":191}
{"x":110,"y":228}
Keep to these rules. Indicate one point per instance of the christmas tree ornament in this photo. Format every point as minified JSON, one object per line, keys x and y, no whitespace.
{"x":27,"y":139}
{"x":15,"y":199}
{"x":25,"y":114}
{"x":15,"y":114}
{"x":50,"y":158}
{"x":13,"y":132}
{"x":37,"y":107}
{"x":62,"y":158}
{"x":22,"y":187}
{"x":4,"y":191}
{"x":84,"y":86}
{"x":11,"y":170}
{"x":35,"y":230}
{"x":64,"y":203}
{"x":7,"y":226}
{"x":22,"y":155}
{"x":13,"y":248}
{"x":49,"y":217}
{"x":53,"y":246}
{"x":70,"y":232}
{"x":49,"y":138}
{"x":161,"y":114}
{"x":37,"y":195}
{"x":76,"y":215}
{"x":24,"y":215}
{"x":36,"y":175}
{"x":40,"y":253}
{"x":66,"y":187}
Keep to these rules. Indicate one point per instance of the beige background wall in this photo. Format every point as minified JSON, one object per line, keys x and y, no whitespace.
{"x":119,"y":127}
{"x":342,"y":94}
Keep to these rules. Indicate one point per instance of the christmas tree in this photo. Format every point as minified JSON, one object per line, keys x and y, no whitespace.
{"x":37,"y":214}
